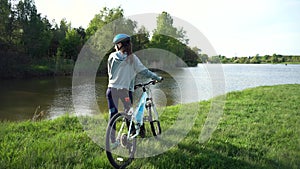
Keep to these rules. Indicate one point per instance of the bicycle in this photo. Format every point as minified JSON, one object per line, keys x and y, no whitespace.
{"x":124,"y":128}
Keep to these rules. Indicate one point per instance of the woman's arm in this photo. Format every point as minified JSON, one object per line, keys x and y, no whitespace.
{"x":144,"y":71}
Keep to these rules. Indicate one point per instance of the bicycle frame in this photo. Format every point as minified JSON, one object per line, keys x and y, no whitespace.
{"x":126,"y":135}
{"x":138,"y":114}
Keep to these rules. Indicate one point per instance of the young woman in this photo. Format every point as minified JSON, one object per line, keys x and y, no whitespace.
{"x":123,"y":65}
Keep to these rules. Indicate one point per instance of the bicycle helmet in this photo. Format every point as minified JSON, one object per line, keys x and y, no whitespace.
{"x":121,"y":38}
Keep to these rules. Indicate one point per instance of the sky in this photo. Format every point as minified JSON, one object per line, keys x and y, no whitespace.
{"x":233,"y":27}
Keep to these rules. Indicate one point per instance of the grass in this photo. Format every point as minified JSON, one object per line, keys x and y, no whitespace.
{"x":260,"y":128}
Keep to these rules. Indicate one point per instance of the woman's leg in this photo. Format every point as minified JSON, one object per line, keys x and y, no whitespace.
{"x":126,"y":98}
{"x":112,"y":99}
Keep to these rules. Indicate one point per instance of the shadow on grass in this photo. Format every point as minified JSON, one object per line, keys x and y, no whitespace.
{"x":216,"y":154}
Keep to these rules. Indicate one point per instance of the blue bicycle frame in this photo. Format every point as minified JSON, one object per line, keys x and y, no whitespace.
{"x":138,"y":115}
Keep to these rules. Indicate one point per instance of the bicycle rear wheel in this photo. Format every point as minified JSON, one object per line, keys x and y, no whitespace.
{"x":119,"y":149}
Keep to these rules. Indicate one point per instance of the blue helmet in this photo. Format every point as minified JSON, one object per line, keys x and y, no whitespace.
{"x":121,"y":38}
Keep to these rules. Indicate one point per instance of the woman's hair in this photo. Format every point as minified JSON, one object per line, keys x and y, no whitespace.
{"x":127,"y":48}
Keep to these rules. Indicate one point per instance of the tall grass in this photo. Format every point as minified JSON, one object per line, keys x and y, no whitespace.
{"x":260,"y":128}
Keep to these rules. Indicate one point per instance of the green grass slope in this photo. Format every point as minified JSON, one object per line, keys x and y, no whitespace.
{"x":260,"y":128}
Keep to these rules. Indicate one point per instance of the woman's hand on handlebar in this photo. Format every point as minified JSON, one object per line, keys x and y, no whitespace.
{"x":160,"y":79}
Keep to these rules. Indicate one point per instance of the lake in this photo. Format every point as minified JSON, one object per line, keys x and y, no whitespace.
{"x":20,"y":98}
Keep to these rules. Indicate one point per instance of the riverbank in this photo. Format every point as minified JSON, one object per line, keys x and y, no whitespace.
{"x":49,"y":68}
{"x":259,"y":129}
{"x":19,"y":65}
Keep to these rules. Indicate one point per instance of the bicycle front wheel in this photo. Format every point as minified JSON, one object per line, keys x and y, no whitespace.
{"x":155,"y":124}
{"x":155,"y":127}
{"x":119,"y":149}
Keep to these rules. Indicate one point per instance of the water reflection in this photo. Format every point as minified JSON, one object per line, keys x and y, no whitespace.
{"x":19,"y":98}
{"x":84,"y":95}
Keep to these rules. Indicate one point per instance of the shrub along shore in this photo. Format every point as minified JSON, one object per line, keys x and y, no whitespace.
{"x":259,"y":129}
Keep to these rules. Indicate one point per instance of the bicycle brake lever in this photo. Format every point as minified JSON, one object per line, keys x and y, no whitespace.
{"x":156,"y":81}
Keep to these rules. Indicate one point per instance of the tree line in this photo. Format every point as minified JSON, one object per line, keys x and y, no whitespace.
{"x":257,"y":59}
{"x":31,"y":45}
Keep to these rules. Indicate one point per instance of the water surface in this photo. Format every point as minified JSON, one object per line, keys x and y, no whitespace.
{"x":20,"y":98}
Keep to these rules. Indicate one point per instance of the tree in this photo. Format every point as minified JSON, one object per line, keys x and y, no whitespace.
{"x":72,"y":44}
{"x":141,"y":39}
{"x":35,"y":30}
{"x":165,"y":27}
{"x":101,"y":30}
{"x":4,"y":20}
{"x":274,"y":58}
{"x":204,"y":58}
{"x":265,"y":59}
{"x":105,"y":16}
{"x":255,"y":59}
{"x":172,"y":39}
{"x":10,"y":28}
{"x":214,"y":59}
{"x":166,"y":36}
{"x":190,"y":57}
{"x":59,"y":34}
{"x":105,"y":25}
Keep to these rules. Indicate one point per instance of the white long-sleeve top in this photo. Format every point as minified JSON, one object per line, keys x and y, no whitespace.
{"x":121,"y":72}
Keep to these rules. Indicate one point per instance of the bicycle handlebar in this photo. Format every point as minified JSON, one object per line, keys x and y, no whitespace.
{"x":153,"y":82}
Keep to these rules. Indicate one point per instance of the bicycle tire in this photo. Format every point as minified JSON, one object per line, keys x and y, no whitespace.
{"x":123,"y":154}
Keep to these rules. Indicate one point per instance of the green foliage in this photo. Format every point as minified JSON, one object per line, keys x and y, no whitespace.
{"x":31,"y":36}
{"x":141,"y":39}
{"x":166,"y":36}
{"x":100,"y":32}
{"x":203,"y":58}
{"x":36,"y":34}
{"x":71,"y":45}
{"x":13,"y":64}
{"x":165,"y":27}
{"x":190,"y":57}
{"x":105,"y":16}
{"x":167,"y":43}
{"x":4,"y":20}
{"x":257,"y":59}
{"x":27,"y":38}
{"x":172,"y":39}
